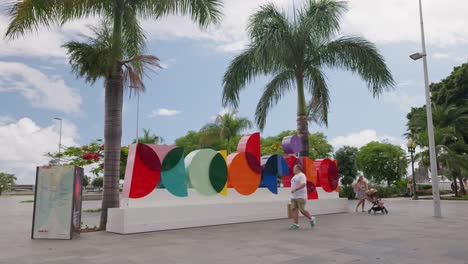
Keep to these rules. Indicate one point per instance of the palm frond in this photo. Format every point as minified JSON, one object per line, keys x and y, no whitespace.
{"x":271,"y":35}
{"x":90,"y":59}
{"x":204,"y":12}
{"x":30,"y":15}
{"x":321,"y":18}
{"x":243,"y":69}
{"x":133,"y":37}
{"x":362,"y":57}
{"x":273,"y":92}
{"x":135,"y":69}
{"x":317,"y":108}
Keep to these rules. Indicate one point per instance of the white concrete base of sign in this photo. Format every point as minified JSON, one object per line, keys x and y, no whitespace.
{"x":162,"y":211}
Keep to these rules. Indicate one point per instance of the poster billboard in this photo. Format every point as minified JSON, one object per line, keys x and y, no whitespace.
{"x":57,"y":202}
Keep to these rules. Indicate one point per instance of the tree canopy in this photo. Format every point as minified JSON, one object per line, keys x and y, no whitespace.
{"x":319,"y":145}
{"x":347,"y":164}
{"x":7,"y":181}
{"x":382,"y":162}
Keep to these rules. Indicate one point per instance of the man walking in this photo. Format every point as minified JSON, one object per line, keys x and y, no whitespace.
{"x":299,"y":197}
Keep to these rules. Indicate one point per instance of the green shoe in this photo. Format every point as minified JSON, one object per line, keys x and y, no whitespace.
{"x":312,"y":222}
{"x":294,"y":227}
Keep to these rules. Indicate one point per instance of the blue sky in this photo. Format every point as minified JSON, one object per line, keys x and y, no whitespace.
{"x":36,"y":83}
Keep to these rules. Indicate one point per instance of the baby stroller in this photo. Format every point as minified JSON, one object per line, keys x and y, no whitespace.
{"x":377,"y":204}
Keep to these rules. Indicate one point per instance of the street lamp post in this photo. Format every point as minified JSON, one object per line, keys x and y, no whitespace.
{"x":430,"y":126}
{"x":411,"y":149}
{"x":60,"y":134}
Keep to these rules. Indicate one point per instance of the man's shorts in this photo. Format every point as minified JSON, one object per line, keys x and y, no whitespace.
{"x":298,"y":203}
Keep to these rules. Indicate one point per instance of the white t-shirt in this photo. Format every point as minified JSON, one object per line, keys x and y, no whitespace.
{"x":296,"y":181}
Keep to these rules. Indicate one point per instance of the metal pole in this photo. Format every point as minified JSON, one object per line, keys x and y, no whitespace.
{"x":415,"y":195}
{"x":60,"y":137}
{"x":430,"y":127}
{"x":137,"y":116}
{"x":60,"y":134}
{"x":294,"y":11}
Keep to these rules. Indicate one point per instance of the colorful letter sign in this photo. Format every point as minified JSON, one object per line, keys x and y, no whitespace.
{"x":209,"y":172}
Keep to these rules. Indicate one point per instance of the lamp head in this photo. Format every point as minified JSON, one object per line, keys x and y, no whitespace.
{"x":411,"y":144}
{"x":417,"y":56}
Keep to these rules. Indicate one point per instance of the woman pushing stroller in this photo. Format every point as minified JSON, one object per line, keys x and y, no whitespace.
{"x":360,"y":188}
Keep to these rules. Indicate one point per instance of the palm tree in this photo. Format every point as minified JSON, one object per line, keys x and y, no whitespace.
{"x":126,"y":40}
{"x":296,"y":52}
{"x":226,"y":127}
{"x":450,"y":131}
{"x":149,"y":138}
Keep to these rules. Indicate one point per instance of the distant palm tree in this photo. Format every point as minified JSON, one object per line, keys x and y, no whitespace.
{"x":149,"y":138}
{"x":126,"y":41}
{"x":296,"y":52}
{"x":225,"y":127}
{"x":450,"y":130}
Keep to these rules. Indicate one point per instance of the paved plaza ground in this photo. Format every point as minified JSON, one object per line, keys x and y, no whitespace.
{"x":409,"y":234}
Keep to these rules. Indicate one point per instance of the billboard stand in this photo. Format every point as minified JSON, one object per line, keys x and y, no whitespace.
{"x":57,"y":202}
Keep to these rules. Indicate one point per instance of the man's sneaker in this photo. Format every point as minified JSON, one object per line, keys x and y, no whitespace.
{"x":294,"y":227}
{"x":312,"y":222}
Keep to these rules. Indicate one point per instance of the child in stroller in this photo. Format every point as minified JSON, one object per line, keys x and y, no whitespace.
{"x":377,"y":204}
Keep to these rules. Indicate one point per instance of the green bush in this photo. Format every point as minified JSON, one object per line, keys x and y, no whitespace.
{"x":428,"y":192}
{"x":347,"y":192}
{"x":97,"y":182}
{"x":424,"y":187}
{"x":387,"y":192}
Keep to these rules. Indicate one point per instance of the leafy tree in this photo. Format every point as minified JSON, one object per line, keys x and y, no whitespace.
{"x":225,"y":128}
{"x":319,"y":146}
{"x":453,"y":89}
{"x":97,"y":182}
{"x":149,"y":138}
{"x":88,"y":155}
{"x":296,"y":52}
{"x":450,"y":134}
{"x":85,"y":180}
{"x":382,"y":162}
{"x":7,"y":181}
{"x":190,"y":142}
{"x":116,"y":59}
{"x":347,"y":167}
{"x":91,"y":154}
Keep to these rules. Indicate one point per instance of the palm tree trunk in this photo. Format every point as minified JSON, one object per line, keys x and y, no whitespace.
{"x":113,"y":121}
{"x":112,"y":140}
{"x":455,"y":184}
{"x":302,"y":119}
{"x":462,"y":187}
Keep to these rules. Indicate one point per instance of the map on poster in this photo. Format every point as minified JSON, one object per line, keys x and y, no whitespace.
{"x":53,"y":207}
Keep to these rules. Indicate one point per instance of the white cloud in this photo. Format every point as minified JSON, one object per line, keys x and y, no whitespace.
{"x":405,"y":100}
{"x":405,"y":83}
{"x":42,"y":91}
{"x":398,"y":20}
{"x":24,"y":144}
{"x":166,"y":64}
{"x":440,"y":55}
{"x":228,"y":36}
{"x":223,"y":111}
{"x":164,"y":112}
{"x":45,"y":43}
{"x":380,"y":21}
{"x":363,"y":137}
{"x":6,"y":119}
{"x":407,"y":95}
